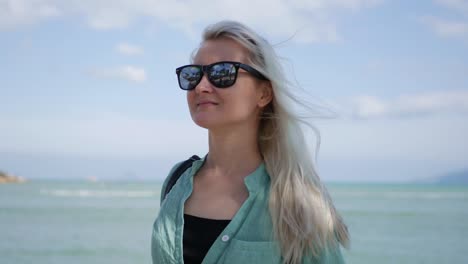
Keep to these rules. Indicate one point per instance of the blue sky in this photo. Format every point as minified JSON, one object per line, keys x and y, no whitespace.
{"x":88,"y":87}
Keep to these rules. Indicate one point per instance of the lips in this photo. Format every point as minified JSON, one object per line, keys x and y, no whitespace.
{"x":206,"y":103}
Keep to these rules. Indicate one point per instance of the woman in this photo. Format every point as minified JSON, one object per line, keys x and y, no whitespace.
{"x":255,"y":197}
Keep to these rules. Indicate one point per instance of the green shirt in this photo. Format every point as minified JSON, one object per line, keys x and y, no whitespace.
{"x":248,"y":238}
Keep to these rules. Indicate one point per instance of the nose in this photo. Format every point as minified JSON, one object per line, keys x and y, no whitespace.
{"x":204,"y":86}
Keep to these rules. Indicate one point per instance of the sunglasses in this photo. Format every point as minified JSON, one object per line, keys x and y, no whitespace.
{"x":221,"y":74}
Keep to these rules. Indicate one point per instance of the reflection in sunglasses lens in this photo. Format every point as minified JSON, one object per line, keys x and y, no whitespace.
{"x":189,"y":77}
{"x":223,"y":75}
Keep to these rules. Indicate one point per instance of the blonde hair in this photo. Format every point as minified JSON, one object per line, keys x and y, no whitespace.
{"x":301,"y":209}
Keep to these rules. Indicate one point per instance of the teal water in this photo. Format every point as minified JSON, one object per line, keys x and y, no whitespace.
{"x":71,"y":222}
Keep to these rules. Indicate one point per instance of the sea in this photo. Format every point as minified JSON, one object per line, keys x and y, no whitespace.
{"x":51,"y":222}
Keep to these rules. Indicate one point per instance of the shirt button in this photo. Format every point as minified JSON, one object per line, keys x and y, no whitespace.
{"x":225,"y":238}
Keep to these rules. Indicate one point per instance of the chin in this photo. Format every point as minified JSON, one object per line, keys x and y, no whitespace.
{"x":208,"y":124}
{"x":206,"y":121}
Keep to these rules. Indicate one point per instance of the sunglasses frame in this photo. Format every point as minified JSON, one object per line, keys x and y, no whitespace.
{"x":206,"y":69}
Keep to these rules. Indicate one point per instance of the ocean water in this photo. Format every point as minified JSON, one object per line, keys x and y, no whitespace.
{"x":111,"y":222}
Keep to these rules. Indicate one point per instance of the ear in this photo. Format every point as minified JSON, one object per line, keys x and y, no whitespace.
{"x":266,"y":94}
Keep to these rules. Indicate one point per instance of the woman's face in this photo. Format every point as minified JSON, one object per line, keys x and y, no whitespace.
{"x":212,"y":107}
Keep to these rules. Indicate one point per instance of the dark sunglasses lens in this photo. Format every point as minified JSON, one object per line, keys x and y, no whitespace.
{"x":222,"y":75}
{"x":189,"y":77}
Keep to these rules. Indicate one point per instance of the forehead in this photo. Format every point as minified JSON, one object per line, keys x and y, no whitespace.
{"x":222,"y":49}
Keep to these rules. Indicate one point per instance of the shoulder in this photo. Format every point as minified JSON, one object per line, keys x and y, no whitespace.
{"x":177,"y":172}
{"x":168,"y":177}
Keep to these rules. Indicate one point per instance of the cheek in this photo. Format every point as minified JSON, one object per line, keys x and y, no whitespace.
{"x":241,"y":105}
{"x":190,"y":99}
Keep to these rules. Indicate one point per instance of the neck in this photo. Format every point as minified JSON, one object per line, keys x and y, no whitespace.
{"x":233,"y":152}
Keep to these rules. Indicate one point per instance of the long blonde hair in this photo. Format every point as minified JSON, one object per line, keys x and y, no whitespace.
{"x":301,"y":209}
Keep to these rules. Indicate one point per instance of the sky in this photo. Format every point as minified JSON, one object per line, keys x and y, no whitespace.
{"x":88,"y":88}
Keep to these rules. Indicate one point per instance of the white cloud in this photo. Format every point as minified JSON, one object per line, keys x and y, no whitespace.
{"x":314,"y":20}
{"x":432,"y":103}
{"x":446,"y":28}
{"x":369,"y":106}
{"x":130,"y":73}
{"x":456,"y":5}
{"x":21,"y":12}
{"x":128,"y":49}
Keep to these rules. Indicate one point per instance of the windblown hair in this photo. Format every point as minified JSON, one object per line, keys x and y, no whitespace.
{"x":302,"y":212}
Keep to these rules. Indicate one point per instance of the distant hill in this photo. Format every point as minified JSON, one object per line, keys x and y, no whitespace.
{"x":8,"y":178}
{"x":459,"y":177}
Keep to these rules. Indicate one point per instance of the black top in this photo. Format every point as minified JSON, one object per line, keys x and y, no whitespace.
{"x":199,"y":235}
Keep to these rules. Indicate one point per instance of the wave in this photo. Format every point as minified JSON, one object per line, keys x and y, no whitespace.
{"x":403,"y":195}
{"x":99,"y":193}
